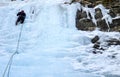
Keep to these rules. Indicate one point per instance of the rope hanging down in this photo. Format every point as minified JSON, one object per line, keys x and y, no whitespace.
{"x":8,"y":67}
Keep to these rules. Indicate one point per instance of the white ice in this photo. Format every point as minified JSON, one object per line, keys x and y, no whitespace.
{"x":50,"y":43}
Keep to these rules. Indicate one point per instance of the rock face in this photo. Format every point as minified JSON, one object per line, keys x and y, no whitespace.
{"x":85,"y":23}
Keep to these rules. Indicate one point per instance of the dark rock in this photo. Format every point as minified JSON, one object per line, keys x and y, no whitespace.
{"x":115,"y":26}
{"x":96,"y":52}
{"x":113,"y":42}
{"x":112,"y":56}
{"x":78,"y":15}
{"x":83,"y":15}
{"x":90,"y":5}
{"x":102,"y":49}
{"x":85,"y":24}
{"x":102,"y":25}
{"x":98,"y":14}
{"x":95,"y":39}
{"x":116,"y":8}
{"x":112,"y":14}
{"x":79,"y":24}
{"x":116,"y":22}
{"x":96,"y":46}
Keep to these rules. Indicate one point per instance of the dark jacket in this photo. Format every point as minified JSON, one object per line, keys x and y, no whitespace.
{"x":21,"y":17}
{"x":21,"y":14}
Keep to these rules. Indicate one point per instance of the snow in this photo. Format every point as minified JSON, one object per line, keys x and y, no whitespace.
{"x":98,"y":63}
{"x":50,"y":45}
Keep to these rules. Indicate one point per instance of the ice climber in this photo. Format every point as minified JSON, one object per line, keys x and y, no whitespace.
{"x":21,"y":17}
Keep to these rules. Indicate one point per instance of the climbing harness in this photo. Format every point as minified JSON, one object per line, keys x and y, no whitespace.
{"x":8,"y":67}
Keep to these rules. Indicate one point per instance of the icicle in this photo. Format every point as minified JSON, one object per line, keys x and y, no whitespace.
{"x":90,"y":11}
